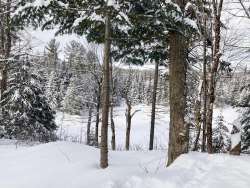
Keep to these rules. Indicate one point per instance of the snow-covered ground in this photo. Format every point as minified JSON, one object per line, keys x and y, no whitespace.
{"x":73,"y":128}
{"x":71,"y":165}
{"x":74,"y":165}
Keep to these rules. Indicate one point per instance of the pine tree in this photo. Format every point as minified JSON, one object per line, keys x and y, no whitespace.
{"x":52,"y":53}
{"x":54,"y":74}
{"x":221,"y":136}
{"x":244,"y":104}
{"x":28,"y":115}
{"x":73,"y":102}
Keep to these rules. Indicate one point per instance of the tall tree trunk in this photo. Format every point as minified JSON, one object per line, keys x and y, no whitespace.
{"x":154,"y":95}
{"x":8,"y":29}
{"x":197,"y":122}
{"x":177,"y":79}
{"x":128,"y":122}
{"x":2,"y":30}
{"x":6,"y":41}
{"x":105,"y":95}
{"x":203,"y":147}
{"x":113,"y":144}
{"x":89,"y":125}
{"x":213,"y":73}
{"x":97,"y":120}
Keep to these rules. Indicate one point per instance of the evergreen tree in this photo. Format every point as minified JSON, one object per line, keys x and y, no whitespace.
{"x":244,"y":104}
{"x":76,"y":56}
{"x":53,"y":90}
{"x":28,"y":115}
{"x":73,"y":101}
{"x":51,"y":54}
{"x":221,"y":136}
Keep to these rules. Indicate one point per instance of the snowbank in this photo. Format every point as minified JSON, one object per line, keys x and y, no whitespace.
{"x":69,"y":165}
{"x":197,"y":170}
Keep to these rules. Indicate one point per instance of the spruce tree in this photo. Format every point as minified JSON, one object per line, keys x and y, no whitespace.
{"x":221,"y":136}
{"x":28,"y":115}
{"x":244,"y":104}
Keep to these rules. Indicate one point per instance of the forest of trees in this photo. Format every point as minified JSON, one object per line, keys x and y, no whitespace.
{"x":185,"y":41}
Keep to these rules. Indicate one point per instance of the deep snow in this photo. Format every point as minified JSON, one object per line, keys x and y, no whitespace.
{"x":74,"y":165}
{"x":71,"y":165}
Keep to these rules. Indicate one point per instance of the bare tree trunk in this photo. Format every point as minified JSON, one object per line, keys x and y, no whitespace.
{"x":97,"y":120}
{"x":177,"y":79}
{"x":89,"y":125}
{"x":198,"y":123}
{"x":4,"y":80}
{"x":152,"y":128}
{"x":105,"y":95}
{"x":128,"y":121}
{"x":113,"y":144}
{"x":2,"y":30}
{"x":213,"y":73}
{"x":6,"y":41}
{"x":203,"y":147}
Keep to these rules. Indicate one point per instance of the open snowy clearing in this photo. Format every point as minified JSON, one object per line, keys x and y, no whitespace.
{"x":70,"y":165}
{"x":74,"y":165}
{"x":74,"y":128}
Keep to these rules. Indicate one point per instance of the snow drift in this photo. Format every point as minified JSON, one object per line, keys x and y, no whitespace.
{"x":69,"y":165}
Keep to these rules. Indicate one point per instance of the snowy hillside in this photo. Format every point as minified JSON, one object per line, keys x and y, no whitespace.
{"x":69,"y":165}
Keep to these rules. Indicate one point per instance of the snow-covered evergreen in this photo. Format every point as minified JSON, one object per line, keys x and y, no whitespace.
{"x":244,"y":104}
{"x":27,"y":114}
{"x":221,"y":136}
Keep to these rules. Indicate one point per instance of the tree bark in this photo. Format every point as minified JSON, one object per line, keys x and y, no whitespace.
{"x":213,"y":73}
{"x":97,"y":119}
{"x":105,"y":95}
{"x":154,"y":95}
{"x":89,"y":125}
{"x":203,"y":147}
{"x":198,"y":123}
{"x":177,"y":79}
{"x":128,"y":121}
{"x":113,"y":144}
{"x":6,"y":42}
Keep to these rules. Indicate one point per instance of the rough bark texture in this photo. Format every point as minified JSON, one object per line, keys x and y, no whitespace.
{"x":6,"y":41}
{"x":197,"y":123}
{"x":89,"y":125}
{"x":113,"y":143}
{"x":177,"y":79}
{"x":204,"y":137}
{"x":217,"y":6}
{"x":105,"y":96}
{"x":154,"y":95}
{"x":128,"y":119}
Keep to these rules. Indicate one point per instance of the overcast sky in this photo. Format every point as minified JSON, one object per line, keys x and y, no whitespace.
{"x":239,"y":28}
